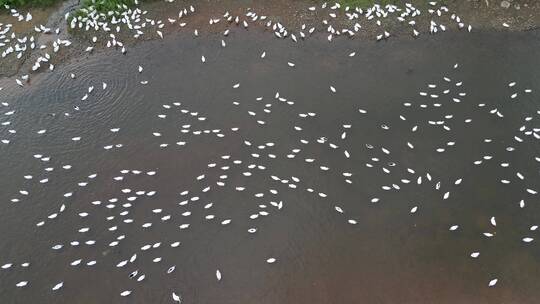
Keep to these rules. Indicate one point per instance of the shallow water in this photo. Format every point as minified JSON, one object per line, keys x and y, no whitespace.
{"x":389,"y":256}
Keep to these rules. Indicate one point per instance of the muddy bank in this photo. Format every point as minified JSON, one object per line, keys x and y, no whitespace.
{"x":480,"y":14}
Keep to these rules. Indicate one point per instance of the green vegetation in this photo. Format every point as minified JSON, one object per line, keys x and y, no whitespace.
{"x":26,"y":3}
{"x":104,"y":6}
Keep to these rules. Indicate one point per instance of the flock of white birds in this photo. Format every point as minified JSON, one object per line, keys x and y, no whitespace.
{"x":106,"y":27}
{"x":133,"y":20}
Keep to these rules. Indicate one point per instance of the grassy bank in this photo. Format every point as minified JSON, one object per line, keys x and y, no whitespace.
{"x":27,"y":3}
{"x":105,"y":6}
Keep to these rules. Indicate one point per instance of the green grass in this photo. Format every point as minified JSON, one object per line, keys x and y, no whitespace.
{"x":26,"y":3}
{"x":106,"y":7}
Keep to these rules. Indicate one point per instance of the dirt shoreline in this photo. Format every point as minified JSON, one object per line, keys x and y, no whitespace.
{"x":521,"y":15}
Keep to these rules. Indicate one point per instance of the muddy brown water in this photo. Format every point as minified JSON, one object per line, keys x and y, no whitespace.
{"x":389,"y":256}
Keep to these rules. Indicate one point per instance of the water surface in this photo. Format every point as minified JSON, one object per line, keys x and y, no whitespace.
{"x":389,"y":256}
